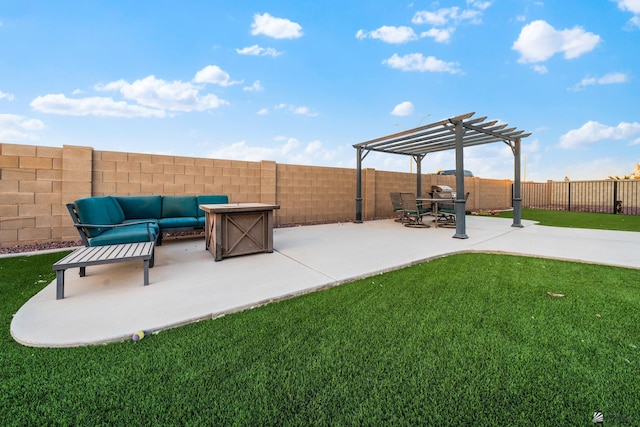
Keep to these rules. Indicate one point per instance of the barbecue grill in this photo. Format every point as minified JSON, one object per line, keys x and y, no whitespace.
{"x":442,"y":192}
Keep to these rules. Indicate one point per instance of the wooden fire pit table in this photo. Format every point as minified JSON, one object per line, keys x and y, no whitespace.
{"x":233,"y":229}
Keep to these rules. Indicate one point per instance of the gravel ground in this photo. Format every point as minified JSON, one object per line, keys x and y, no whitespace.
{"x":36,"y":247}
{"x":39,"y":247}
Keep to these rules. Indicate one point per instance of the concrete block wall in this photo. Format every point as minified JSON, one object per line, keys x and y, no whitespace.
{"x":30,"y":188}
{"x":36,"y":183}
{"x":484,"y":194}
{"x":308,"y":194}
{"x":388,"y":182}
{"x":116,"y":173}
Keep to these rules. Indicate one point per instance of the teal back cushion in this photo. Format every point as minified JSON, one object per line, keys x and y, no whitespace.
{"x":98,"y":211}
{"x":179,"y":206}
{"x":211,"y":199}
{"x":140,"y":207}
{"x":116,"y":215}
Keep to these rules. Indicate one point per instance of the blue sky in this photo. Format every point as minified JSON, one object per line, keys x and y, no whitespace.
{"x":301,"y":82}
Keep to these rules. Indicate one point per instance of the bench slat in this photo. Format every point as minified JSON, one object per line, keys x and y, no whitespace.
{"x":104,"y":255}
{"x":108,"y":254}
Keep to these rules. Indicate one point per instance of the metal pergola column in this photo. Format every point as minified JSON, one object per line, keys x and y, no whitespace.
{"x":517,"y":186}
{"x":460,"y":202}
{"x":359,"y":186}
{"x":418,"y":160}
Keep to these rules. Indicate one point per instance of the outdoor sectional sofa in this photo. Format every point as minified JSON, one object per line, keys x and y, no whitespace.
{"x":111,"y":220}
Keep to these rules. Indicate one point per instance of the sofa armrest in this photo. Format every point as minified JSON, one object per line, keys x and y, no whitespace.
{"x":82,"y":229}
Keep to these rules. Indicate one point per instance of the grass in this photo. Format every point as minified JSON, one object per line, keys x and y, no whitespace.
{"x":598,"y":221}
{"x":469,"y":339}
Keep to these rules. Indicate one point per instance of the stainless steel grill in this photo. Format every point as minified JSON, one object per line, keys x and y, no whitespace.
{"x":442,"y":192}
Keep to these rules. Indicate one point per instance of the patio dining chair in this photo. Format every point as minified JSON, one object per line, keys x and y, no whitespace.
{"x":413,"y":212}
{"x":396,"y":202}
{"x":447,"y":213}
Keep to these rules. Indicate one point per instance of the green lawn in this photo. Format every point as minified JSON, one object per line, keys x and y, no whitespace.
{"x":469,"y":339}
{"x":599,"y":221}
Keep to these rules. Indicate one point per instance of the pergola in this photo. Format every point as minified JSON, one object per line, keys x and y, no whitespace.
{"x":456,"y":133}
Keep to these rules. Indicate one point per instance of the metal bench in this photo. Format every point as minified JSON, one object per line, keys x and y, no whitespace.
{"x":97,"y":255}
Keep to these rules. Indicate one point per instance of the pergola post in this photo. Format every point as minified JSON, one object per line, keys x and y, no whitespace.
{"x":359,"y":187}
{"x":418,"y":160}
{"x":460,"y":202}
{"x":517,"y":195}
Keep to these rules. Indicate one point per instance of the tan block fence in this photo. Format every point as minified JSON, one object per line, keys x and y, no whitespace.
{"x":36,"y":182}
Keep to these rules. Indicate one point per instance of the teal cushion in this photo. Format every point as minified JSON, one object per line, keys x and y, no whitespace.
{"x":446,"y":207}
{"x":153,"y":223}
{"x":97,"y":211}
{"x":211,"y":199}
{"x":186,"y":221}
{"x":116,"y":215}
{"x":179,"y":206}
{"x":132,"y":234}
{"x":141,"y":207}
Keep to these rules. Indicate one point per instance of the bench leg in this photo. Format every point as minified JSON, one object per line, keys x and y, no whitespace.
{"x":59,"y":284}
{"x":146,"y":272}
{"x":83,"y":271}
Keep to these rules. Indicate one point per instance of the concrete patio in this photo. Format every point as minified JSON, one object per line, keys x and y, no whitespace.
{"x":186,"y":285}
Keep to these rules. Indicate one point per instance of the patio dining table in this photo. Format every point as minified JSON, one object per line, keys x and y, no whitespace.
{"x":434,"y":202}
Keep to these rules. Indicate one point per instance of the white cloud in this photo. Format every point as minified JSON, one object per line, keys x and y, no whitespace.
{"x":214,"y":75}
{"x":403,"y":109}
{"x":632,"y":6}
{"x":286,"y":150}
{"x":592,"y":132}
{"x":151,"y":96}
{"x":92,"y":106}
{"x":389,"y":34}
{"x":7,"y":96}
{"x":539,"y":41}
{"x":445,"y":20}
{"x":439,"y":18}
{"x":540,"y":69}
{"x":303,"y":111}
{"x":256,"y":50}
{"x":440,"y":35}
{"x":607,"y":79}
{"x":290,"y":144}
{"x":241,"y":151}
{"x":445,"y":16}
{"x":172,"y":96}
{"x":263,"y":112}
{"x":32,"y":124}
{"x":482,"y":5}
{"x":15,"y":128}
{"x":277,"y":28}
{"x":612,"y":78}
{"x":417,"y":62}
{"x":255,"y":87}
